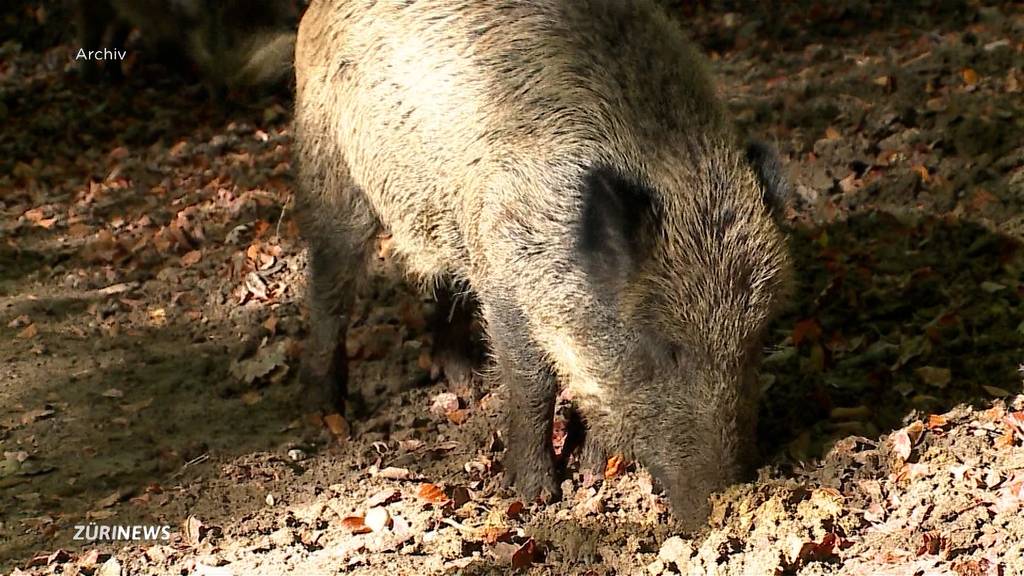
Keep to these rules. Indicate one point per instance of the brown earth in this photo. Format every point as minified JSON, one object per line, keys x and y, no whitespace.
{"x":150,"y":318}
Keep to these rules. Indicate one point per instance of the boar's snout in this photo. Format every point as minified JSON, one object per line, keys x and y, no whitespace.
{"x":706,"y":442}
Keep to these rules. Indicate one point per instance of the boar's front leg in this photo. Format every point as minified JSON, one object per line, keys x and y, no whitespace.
{"x":339,"y":225}
{"x":455,"y":351}
{"x":532,"y":387}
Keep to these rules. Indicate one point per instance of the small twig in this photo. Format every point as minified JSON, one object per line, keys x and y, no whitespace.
{"x":461,"y":527}
{"x":284,"y":208}
{"x":196,"y":460}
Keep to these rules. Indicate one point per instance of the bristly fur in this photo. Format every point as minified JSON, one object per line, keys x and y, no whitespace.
{"x":569,"y":161}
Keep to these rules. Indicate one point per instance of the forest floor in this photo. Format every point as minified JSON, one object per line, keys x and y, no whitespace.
{"x":151,"y":282}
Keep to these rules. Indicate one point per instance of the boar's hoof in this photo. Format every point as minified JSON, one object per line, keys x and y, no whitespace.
{"x":456,"y":367}
{"x":321,"y":391}
{"x":532,"y":479}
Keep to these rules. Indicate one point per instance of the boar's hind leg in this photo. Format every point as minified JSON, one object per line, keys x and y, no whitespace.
{"x":455,"y":351}
{"x":593,"y":456}
{"x":532,"y":388}
{"x":92,"y":18}
{"x":339,"y":225}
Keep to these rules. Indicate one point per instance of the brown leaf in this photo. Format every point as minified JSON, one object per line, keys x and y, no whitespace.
{"x":460,"y":495}
{"x":818,"y":551}
{"x":270,"y":325}
{"x":431,"y":493}
{"x":808,"y":330}
{"x":525,"y":555}
{"x":936,"y":421}
{"x":969,"y":76}
{"x":457,"y":417}
{"x":30,"y":331}
{"x":915,"y":430}
{"x":191,"y":258}
{"x":355,"y":525}
{"x":514,"y":510}
{"x":922,"y":172}
{"x":931,"y":543}
{"x":1006,"y":440}
{"x":973,"y":567}
{"x":337,"y":424}
{"x":1014,"y":422}
{"x":615,"y":466}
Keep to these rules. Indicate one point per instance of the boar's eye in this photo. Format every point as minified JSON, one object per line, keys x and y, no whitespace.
{"x":617,"y":224}
{"x":765,"y":162}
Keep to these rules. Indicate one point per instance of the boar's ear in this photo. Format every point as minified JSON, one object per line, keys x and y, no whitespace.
{"x":618,"y":225}
{"x":765,"y":162}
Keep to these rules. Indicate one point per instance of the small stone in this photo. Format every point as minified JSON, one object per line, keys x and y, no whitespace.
{"x":110,"y":568}
{"x":282,"y":538}
{"x":377,"y":519}
{"x":656,"y":567}
{"x":675,"y":550}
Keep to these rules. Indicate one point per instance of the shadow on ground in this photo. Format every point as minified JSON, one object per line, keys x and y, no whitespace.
{"x":891,"y":315}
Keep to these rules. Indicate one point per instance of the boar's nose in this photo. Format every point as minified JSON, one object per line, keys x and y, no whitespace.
{"x":690,"y":508}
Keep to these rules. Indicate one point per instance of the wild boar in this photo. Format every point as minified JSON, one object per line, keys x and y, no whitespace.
{"x":232,"y":43}
{"x":569,"y":162}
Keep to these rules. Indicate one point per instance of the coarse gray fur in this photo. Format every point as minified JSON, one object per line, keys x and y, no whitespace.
{"x":569,"y":161}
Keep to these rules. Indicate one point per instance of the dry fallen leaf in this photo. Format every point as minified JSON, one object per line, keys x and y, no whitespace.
{"x":1014,"y":422}
{"x":30,"y":331}
{"x":355,"y":525}
{"x":191,"y":258}
{"x":517,"y":557}
{"x":457,"y":416}
{"x":431,"y":493}
{"x":615,"y":466}
{"x":514,"y":510}
{"x":337,"y":424}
